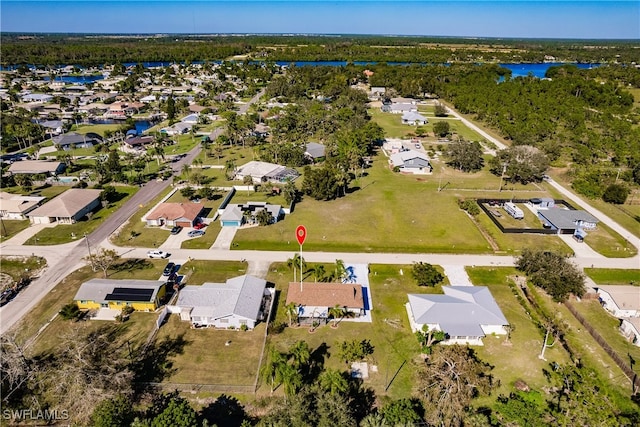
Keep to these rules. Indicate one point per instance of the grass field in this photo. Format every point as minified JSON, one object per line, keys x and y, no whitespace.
{"x":389,"y":212}
{"x":9,"y":228}
{"x":18,"y":267}
{"x":64,"y":233}
{"x":206,"y":359}
{"x":612,"y":276}
{"x":607,"y":326}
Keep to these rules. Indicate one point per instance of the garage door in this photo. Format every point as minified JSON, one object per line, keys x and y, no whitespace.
{"x":183,"y":223}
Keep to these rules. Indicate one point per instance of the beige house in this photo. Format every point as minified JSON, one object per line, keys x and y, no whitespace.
{"x":36,"y":167}
{"x":68,"y":208}
{"x":17,"y":206}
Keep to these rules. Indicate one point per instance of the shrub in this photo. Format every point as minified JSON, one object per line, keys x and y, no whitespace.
{"x":616,"y":194}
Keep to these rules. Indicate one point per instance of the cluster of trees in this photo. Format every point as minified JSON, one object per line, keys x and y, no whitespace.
{"x":552,"y":272}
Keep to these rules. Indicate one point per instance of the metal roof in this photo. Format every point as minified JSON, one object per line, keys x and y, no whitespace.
{"x":460,"y":311}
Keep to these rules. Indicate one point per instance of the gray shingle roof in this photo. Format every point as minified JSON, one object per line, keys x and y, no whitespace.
{"x":460,"y":311}
{"x":240,"y":296}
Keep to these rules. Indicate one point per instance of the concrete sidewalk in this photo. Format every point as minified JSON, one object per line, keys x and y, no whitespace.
{"x":22,"y":237}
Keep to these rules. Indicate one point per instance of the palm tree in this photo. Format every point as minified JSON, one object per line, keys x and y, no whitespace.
{"x":340,"y":270}
{"x":318,"y":273}
{"x":291,"y":379}
{"x":336,"y":312}
{"x":300,"y":354}
{"x":186,"y":169}
{"x":292,"y":311}
{"x":293,"y":264}
{"x":272,"y":369}
{"x":333,"y":381}
{"x":374,"y":420}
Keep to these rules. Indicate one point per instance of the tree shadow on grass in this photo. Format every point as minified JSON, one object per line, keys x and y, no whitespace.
{"x":226,"y":411}
{"x":133,"y":264}
{"x":316,"y":362}
{"x":153,"y":363}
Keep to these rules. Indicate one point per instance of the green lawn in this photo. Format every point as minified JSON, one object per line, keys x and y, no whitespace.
{"x":64,"y":233}
{"x":99,"y":129}
{"x":608,"y":327}
{"x":612,"y":276}
{"x":204,"y":242}
{"x":206,"y":359}
{"x":389,"y":333}
{"x":390,"y":212}
{"x":136,"y":233}
{"x":520,"y":359}
{"x":198,"y":272}
{"x":609,"y":243}
{"x":9,"y":228}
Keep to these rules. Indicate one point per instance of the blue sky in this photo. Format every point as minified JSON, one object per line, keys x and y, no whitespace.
{"x":501,"y":18}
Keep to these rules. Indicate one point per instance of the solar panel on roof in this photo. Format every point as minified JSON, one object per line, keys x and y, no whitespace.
{"x":130,"y":294}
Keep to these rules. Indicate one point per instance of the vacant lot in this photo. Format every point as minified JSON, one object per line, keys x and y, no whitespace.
{"x":206,"y":359}
{"x":390,"y":212}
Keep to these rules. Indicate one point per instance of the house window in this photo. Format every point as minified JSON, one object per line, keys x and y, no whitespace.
{"x":243,"y":322}
{"x":224,"y":320}
{"x":83,"y":302}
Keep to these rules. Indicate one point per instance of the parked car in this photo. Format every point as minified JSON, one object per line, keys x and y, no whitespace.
{"x":195,"y":233}
{"x":176,"y":229}
{"x":158,"y":254}
{"x":200,"y":226}
{"x":169,"y":269}
{"x":6,"y":296}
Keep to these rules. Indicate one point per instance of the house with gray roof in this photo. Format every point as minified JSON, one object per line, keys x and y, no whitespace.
{"x":17,"y":206}
{"x":399,"y":108}
{"x":465,"y":313}
{"x":265,"y":172}
{"x":243,"y":300}
{"x":314,"y":151}
{"x":413,"y":118}
{"x":411,"y":161}
{"x":71,"y":140}
{"x":141,"y":295}
{"x":567,"y":221}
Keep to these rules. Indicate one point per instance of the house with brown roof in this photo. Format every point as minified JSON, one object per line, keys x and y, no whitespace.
{"x":172,"y":214}
{"x":68,"y":208}
{"x":17,"y":206}
{"x":315,"y":299}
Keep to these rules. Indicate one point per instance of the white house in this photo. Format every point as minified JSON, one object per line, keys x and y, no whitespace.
{"x":265,"y":172}
{"x":630,"y":328}
{"x":620,"y":300}
{"x":411,"y":161}
{"x":413,"y":118}
{"x":243,"y":300}
{"x":465,"y":313}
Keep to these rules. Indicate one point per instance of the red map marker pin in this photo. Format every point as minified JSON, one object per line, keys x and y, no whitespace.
{"x":301,"y":234}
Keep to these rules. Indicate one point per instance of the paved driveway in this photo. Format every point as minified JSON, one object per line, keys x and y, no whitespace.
{"x":225,"y":237}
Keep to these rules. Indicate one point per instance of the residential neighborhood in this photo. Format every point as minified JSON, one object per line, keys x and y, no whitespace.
{"x":218,"y":220}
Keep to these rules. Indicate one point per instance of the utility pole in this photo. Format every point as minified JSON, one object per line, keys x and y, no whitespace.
{"x":86,"y":239}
